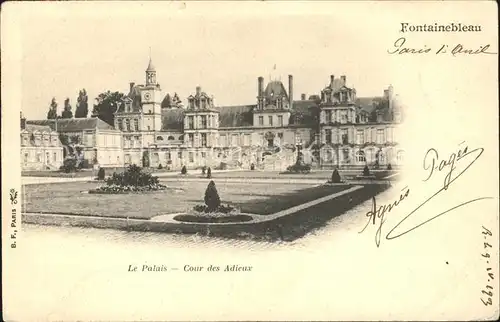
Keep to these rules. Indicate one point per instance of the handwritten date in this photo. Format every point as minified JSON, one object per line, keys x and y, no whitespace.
{"x":489,"y":289}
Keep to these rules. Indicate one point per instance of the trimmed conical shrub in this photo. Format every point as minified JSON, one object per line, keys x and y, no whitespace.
{"x":184,"y":169}
{"x":389,"y":167}
{"x":101,"y":174}
{"x":212,"y":199}
{"x":209,"y":173}
{"x":336,"y":176}
{"x":366,"y":171}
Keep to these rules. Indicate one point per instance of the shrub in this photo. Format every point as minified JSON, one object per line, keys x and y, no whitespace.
{"x":299,"y":168}
{"x":252,"y":166}
{"x":184,"y":170}
{"x":209,"y":173}
{"x":212,"y":199}
{"x":203,"y":170}
{"x":101,"y":174}
{"x":69,"y":165}
{"x":336,"y":176}
{"x":366,"y":171}
{"x":222,"y":166}
{"x":389,"y":167}
{"x":133,"y":176}
{"x":84,"y":164}
{"x":160,"y":166}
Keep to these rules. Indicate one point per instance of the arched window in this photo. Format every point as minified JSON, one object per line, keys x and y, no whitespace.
{"x":181,"y":138}
{"x":170,"y":138}
{"x":360,"y":156}
{"x":159,"y":138}
{"x":400,"y":156}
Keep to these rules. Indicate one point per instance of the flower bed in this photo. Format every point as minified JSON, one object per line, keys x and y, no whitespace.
{"x":116,"y":189}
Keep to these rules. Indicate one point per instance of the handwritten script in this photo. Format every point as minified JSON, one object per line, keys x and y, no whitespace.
{"x":400,"y":48}
{"x":433,"y":164}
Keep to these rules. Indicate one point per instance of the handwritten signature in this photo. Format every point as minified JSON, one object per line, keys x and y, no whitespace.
{"x":433,"y":164}
{"x":399,"y":48}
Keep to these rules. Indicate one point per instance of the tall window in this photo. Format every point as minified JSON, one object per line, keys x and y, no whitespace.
{"x":234,"y":140}
{"x":26,"y":158}
{"x":261,"y":120}
{"x":136,"y":125}
{"x":55,"y":157}
{"x":190,"y":122}
{"x":203,"y":139}
{"x":328,"y":136}
{"x":168,"y":156}
{"x":328,"y":115}
{"x":344,"y":136}
{"x":380,"y":136}
{"x":191,"y":138}
{"x":204,"y":121}
{"x":120,"y":124}
{"x":270,"y":117}
{"x":280,"y":120}
{"x":360,"y":139}
{"x":179,"y":155}
{"x":191,"y":157}
{"x":127,"y":124}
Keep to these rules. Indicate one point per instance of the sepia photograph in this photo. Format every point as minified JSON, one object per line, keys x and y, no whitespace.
{"x":260,"y":160}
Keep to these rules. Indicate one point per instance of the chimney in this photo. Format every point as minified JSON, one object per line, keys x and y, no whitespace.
{"x":332,"y":77}
{"x":303,"y":97}
{"x":132,"y":84}
{"x":260,"y":86}
{"x":290,"y":90}
{"x":343,"y":79}
{"x":23,"y":122}
{"x":198,"y":90}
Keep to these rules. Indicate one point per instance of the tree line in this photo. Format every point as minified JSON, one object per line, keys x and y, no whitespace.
{"x":104,"y":108}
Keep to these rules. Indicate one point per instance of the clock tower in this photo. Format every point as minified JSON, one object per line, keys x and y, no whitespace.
{"x":151,"y":100}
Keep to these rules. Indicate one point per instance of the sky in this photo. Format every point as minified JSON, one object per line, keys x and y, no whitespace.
{"x":222,"y":47}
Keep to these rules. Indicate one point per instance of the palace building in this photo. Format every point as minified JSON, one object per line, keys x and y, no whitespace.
{"x":334,"y":128}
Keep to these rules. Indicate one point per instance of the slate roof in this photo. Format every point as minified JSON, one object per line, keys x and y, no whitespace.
{"x":236,"y":116}
{"x":368,"y":104}
{"x":35,"y":127}
{"x":73,"y":125}
{"x":304,"y":113}
{"x":277,"y":88}
{"x":173,"y":119}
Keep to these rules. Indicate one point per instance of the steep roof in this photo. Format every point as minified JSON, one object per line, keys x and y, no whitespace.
{"x":236,"y":116}
{"x":275,"y":87}
{"x":304,"y":112}
{"x":74,"y":125}
{"x":151,"y":67}
{"x":368,"y":104}
{"x":172,"y":119}
{"x":35,"y":127}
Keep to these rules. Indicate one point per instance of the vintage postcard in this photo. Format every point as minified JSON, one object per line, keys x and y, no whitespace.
{"x":272,"y":160}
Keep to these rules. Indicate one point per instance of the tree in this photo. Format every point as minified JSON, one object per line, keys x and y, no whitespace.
{"x":82,"y":106}
{"x":106,"y":105}
{"x":52,"y":114}
{"x":67,"y":114}
{"x":101,"y":175}
{"x":212,"y":199}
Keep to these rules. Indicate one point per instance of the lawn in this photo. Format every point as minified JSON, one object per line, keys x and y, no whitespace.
{"x":259,"y":198}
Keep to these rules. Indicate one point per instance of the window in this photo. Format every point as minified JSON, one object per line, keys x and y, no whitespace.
{"x":39,"y":157}
{"x":159,"y":138}
{"x":234,"y":140}
{"x":270,"y":117}
{"x":120,"y":124}
{"x":360,"y":138}
{"x":191,"y":157}
{"x":328,"y":136}
{"x":47,"y":157}
{"x":55,"y":157}
{"x":136,"y":125}
{"x":344,"y":117}
{"x":246,"y":139}
{"x":179,"y":155}
{"x":280,"y":120}
{"x":328,"y":116}
{"x":380,"y":136}
{"x":204,"y":155}
{"x":170,"y":138}
{"x":344,"y":136}
{"x":190,"y":122}
{"x":261,"y":120}
{"x":26,"y":156}
{"x":204,"y":139}
{"x":168,"y":156}
{"x":127,"y":124}
{"x":360,"y":156}
{"x":346,"y":155}
{"x":280,"y":135}
{"x":137,"y":141}
{"x":191,"y":138}
{"x":149,"y":128}
{"x":328,"y":155}
{"x":204,"y":121}
{"x":400,"y":156}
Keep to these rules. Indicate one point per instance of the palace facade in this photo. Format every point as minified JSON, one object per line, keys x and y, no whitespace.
{"x":334,"y":128}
